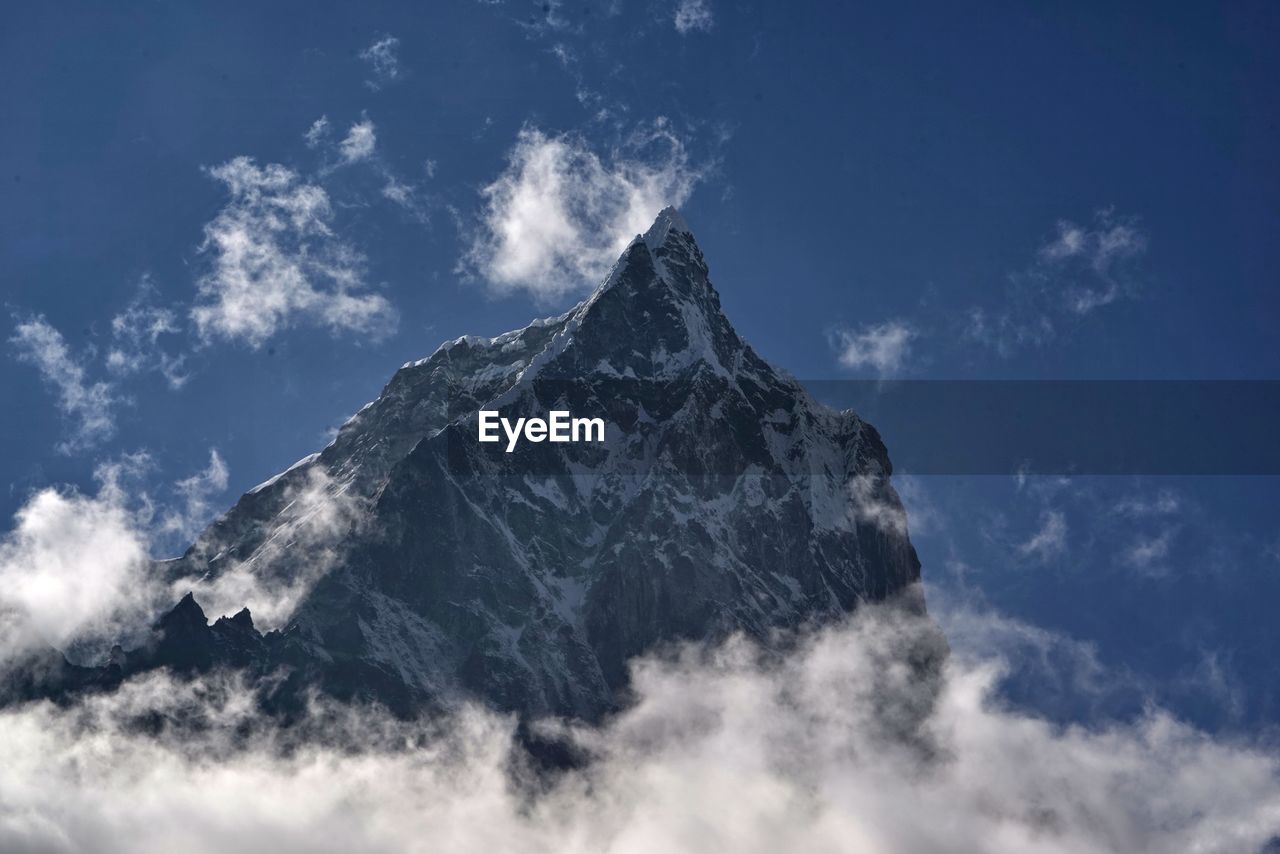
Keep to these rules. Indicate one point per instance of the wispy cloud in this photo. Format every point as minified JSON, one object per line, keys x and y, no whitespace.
{"x":559,"y":214}
{"x":407,"y":196}
{"x":1148,"y":554}
{"x":564,"y":54}
{"x":882,"y":347}
{"x":383,"y":57}
{"x":873,"y":501}
{"x":90,"y":406}
{"x":317,"y":133}
{"x":185,"y":520}
{"x":693,"y":15}
{"x":136,"y":335}
{"x":275,"y":259}
{"x":318,"y":514}
{"x":1069,"y":680}
{"x":1051,"y":538}
{"x":360,"y":146}
{"x":1162,"y":503}
{"x":1079,"y":270}
{"x":1101,"y":251}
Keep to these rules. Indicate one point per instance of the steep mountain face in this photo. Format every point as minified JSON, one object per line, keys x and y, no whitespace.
{"x":411,"y":564}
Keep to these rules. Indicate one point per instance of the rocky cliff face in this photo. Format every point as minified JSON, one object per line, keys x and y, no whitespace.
{"x":414,"y":565}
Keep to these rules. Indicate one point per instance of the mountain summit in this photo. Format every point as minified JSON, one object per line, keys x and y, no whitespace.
{"x":409,"y":564}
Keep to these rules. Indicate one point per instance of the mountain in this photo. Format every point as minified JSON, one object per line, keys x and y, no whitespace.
{"x":410,"y":564}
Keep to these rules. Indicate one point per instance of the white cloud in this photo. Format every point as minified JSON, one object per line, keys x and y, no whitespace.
{"x":918,"y":503}
{"x":873,"y":501}
{"x":195,"y":492}
{"x":384,"y":61}
{"x":136,"y":334}
{"x":1013,"y":326}
{"x":359,"y":142}
{"x":1080,"y":269}
{"x":559,"y":215}
{"x":1100,"y":247}
{"x":1050,"y":540}
{"x":693,"y":15}
{"x":1067,"y":673}
{"x":1091,"y":258}
{"x":317,"y":132}
{"x":883,"y":347}
{"x":1214,"y":678}
{"x":76,"y":572}
{"x":73,"y":571}
{"x":839,"y":745}
{"x":89,"y":405}
{"x":397,"y":192}
{"x":1163,"y":503}
{"x":406,"y":196}
{"x":564,"y":54}
{"x":275,"y":259}
{"x":1147,"y":553}
{"x":360,"y":146}
{"x":319,"y":514}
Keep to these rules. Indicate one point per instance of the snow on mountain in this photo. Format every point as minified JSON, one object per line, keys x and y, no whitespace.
{"x":409,"y":564}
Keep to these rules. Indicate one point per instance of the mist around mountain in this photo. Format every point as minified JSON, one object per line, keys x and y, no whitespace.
{"x":708,"y":632}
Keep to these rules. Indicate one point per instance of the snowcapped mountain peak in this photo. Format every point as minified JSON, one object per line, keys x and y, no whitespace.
{"x":408,"y":564}
{"x":655,"y":316}
{"x":667,"y":221}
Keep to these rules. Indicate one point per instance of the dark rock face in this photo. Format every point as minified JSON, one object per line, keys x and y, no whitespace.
{"x":719,"y":502}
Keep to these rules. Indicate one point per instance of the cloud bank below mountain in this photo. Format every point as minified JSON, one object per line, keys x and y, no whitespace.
{"x":836,"y":746}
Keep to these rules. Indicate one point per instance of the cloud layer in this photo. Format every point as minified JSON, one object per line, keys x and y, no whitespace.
{"x":857,"y":737}
{"x":559,"y":215}
{"x":839,"y":745}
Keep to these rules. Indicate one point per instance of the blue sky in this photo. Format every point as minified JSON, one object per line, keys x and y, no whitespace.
{"x":918,"y":191}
